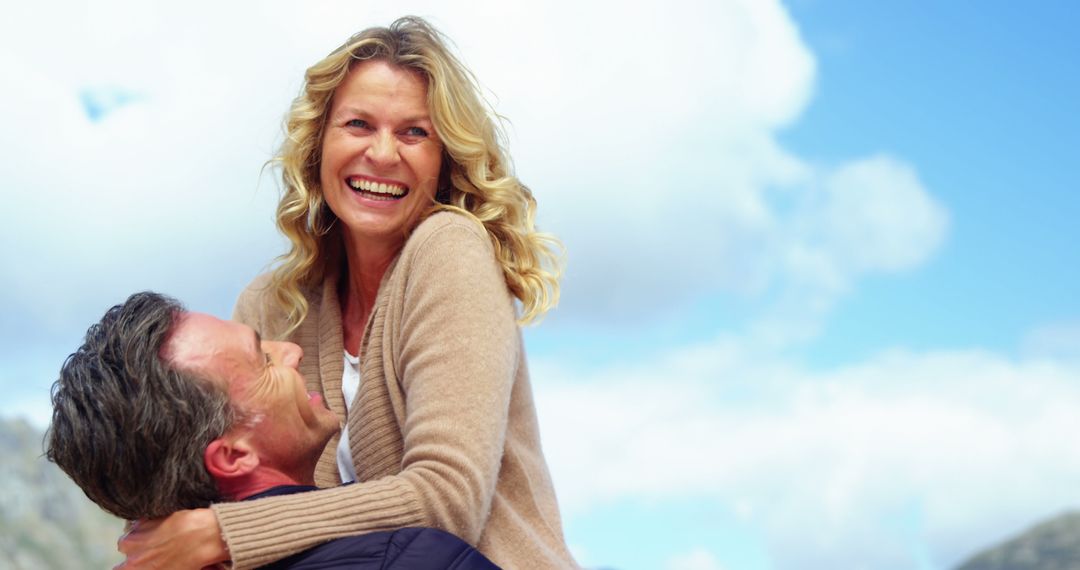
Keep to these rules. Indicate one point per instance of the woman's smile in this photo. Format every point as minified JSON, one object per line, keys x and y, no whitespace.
{"x":377,"y":189}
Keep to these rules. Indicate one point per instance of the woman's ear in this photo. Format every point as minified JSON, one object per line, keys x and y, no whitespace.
{"x":229,"y":458}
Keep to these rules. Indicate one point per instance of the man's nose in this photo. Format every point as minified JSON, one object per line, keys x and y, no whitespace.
{"x":288,"y":354}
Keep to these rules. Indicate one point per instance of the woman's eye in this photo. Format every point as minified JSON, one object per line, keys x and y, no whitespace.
{"x":416,"y":132}
{"x":359,"y":123}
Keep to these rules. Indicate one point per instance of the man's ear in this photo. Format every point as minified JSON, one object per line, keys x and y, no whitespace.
{"x":230,"y":457}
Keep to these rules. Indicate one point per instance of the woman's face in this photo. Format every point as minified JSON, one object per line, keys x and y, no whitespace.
{"x":380,"y":154}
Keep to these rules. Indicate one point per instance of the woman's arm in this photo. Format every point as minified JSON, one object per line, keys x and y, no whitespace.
{"x":460,"y":351}
{"x":457,"y":355}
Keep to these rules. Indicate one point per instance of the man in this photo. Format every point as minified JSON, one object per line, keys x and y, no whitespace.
{"x":162,"y":409}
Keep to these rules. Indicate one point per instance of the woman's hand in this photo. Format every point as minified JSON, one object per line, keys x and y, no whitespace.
{"x":182,"y":540}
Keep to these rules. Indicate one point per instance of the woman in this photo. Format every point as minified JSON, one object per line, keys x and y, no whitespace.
{"x":410,"y":240}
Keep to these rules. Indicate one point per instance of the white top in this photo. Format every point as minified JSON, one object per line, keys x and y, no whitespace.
{"x":350,"y":385}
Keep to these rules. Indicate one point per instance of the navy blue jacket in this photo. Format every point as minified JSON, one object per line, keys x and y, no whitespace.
{"x":404,"y":549}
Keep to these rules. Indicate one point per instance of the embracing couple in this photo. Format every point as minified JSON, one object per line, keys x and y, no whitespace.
{"x":369,"y":405}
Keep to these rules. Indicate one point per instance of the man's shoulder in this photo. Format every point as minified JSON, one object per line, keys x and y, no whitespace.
{"x":407,"y":548}
{"x":432,"y":548}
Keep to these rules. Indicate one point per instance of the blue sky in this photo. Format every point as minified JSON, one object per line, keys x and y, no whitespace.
{"x":982,"y":98}
{"x":819,"y":308}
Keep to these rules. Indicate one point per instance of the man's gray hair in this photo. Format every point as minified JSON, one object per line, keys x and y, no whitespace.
{"x":129,"y":428}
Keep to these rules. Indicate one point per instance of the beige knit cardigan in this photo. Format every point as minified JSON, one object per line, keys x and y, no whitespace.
{"x":443,"y":430}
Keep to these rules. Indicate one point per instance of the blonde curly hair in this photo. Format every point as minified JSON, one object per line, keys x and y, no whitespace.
{"x":476,"y":177}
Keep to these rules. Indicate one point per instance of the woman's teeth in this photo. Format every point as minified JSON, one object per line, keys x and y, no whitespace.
{"x":377,"y":190}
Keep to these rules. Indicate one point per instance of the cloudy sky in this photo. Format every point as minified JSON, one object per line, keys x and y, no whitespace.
{"x":820,"y":308}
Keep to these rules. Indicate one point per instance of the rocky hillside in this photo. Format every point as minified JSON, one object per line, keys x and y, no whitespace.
{"x":1051,"y":545}
{"x":45,"y":520}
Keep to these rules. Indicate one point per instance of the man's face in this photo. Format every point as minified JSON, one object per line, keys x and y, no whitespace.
{"x":288,"y":426}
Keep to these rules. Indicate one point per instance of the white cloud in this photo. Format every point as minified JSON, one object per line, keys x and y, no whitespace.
{"x":878,"y":216}
{"x":1059,"y":340}
{"x":658,"y":164}
{"x":698,"y":559}
{"x":871,"y":215}
{"x":825,"y":462}
{"x":160,"y":192}
{"x":655,"y":170}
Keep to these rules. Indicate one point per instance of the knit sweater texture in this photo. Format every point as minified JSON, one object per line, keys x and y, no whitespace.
{"x":443,"y":432}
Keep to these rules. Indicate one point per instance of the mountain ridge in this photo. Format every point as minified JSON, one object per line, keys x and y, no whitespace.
{"x":1052,"y":544}
{"x":45,"y":519}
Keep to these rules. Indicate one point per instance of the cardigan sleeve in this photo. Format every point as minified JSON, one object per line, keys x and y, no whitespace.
{"x":460,"y":349}
{"x":456,"y":353}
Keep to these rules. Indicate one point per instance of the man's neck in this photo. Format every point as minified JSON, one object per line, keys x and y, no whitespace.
{"x":256,"y":482}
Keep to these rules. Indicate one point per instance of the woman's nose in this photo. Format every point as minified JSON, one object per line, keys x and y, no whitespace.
{"x":383,"y":149}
